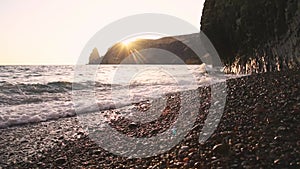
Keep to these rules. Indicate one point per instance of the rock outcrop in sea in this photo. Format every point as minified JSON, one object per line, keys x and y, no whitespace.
{"x":254,"y":36}
{"x":94,"y":57}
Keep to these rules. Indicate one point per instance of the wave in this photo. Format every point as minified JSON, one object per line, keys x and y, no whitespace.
{"x":34,"y":113}
{"x":51,"y":110}
{"x":22,"y":93}
{"x":51,"y":87}
{"x":22,"y":88}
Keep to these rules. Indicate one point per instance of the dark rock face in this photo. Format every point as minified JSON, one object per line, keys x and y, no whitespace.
{"x":254,"y":36}
{"x":94,"y":57}
{"x":167,"y":50}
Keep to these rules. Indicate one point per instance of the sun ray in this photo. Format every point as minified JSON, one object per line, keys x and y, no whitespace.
{"x":140,"y":57}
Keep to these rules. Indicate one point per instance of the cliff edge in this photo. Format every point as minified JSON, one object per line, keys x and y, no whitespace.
{"x":254,"y":36}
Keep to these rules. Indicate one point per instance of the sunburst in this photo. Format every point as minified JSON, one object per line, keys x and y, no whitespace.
{"x":129,"y":41}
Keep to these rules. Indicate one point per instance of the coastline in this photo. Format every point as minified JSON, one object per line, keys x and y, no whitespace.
{"x":259,"y":128}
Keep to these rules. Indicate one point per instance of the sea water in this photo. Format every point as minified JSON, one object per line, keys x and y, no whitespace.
{"x":30,"y":94}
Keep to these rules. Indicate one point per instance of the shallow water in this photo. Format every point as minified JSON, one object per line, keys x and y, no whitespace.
{"x":40,"y":93}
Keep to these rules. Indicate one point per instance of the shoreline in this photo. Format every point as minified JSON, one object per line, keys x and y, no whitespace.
{"x":259,"y":128}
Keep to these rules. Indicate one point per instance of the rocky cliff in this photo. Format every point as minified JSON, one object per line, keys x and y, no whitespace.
{"x":254,"y":36}
{"x":167,"y":50}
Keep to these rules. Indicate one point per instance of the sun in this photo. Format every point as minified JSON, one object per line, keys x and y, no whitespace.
{"x":128,"y":41}
{"x":131,"y":40}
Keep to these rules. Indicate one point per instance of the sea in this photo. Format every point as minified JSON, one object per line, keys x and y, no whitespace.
{"x":33,"y":94}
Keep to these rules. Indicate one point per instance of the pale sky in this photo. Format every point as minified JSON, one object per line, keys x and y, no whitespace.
{"x":56,"y":31}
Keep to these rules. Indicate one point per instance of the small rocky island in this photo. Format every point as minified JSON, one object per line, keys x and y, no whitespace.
{"x":94,"y":57}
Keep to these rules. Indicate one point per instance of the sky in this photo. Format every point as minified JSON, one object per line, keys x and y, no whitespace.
{"x":34,"y":32}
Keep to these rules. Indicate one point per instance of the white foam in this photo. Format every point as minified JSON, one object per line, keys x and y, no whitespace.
{"x":32,"y":113}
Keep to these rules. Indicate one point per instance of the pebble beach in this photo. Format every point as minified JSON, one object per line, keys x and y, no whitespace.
{"x":259,"y":128}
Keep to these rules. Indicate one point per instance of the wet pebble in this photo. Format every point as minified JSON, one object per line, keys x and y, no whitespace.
{"x":61,"y":161}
